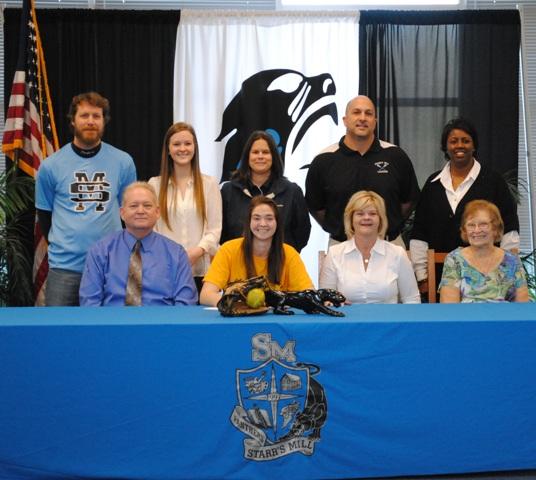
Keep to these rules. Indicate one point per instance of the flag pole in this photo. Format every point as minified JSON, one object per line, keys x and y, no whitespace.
{"x":30,"y":130}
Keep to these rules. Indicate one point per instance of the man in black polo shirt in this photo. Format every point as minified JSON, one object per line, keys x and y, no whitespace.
{"x":361,"y":162}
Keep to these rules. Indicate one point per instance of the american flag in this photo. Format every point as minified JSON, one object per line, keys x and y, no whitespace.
{"x":30,"y":133}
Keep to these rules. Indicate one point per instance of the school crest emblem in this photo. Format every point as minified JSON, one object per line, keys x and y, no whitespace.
{"x":281,"y":407}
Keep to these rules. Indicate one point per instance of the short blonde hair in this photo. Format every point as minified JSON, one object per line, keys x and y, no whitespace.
{"x":475,"y":206}
{"x":360,"y":200}
{"x":139,"y":184}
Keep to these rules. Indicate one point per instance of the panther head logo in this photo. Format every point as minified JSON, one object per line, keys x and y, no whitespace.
{"x":285,"y":103}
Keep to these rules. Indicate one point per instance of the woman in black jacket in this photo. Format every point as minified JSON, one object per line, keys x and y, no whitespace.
{"x":446,"y":192}
{"x":260,"y":172}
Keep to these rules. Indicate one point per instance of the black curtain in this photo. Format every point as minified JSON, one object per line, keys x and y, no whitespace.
{"x":125,"y":55}
{"x":489,"y":83}
{"x":423,"y":68}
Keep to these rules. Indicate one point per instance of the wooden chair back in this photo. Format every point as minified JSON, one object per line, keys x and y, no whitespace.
{"x":321,"y":257}
{"x":434,"y":258}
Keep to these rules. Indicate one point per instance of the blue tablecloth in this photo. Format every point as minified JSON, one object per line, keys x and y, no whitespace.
{"x":173,"y":393}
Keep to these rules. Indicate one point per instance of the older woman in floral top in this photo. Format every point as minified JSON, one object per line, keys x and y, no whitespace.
{"x":482,"y":272}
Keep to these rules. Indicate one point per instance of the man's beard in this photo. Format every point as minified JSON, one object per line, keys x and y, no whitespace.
{"x":88,"y":137}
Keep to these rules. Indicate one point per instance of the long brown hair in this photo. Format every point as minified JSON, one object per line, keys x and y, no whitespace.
{"x":166,"y":174}
{"x":276,"y":256}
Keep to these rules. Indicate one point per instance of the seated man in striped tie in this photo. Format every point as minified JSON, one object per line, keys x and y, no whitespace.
{"x":137,"y":266}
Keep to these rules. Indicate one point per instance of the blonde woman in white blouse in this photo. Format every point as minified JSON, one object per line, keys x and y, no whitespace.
{"x":190,"y":202}
{"x":366,"y":268}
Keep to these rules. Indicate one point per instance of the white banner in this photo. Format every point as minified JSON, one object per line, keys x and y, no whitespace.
{"x":289,"y":73}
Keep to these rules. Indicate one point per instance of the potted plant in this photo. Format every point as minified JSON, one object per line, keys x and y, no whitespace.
{"x":16,"y":229}
{"x":529,"y":264}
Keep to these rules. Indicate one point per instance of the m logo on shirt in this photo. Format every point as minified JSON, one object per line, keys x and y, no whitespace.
{"x":86,"y":192}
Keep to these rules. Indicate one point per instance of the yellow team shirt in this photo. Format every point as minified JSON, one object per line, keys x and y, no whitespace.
{"x":228,"y":266}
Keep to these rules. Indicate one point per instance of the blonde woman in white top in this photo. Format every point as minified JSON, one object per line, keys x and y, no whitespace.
{"x":190,"y":202}
{"x":366,"y":268}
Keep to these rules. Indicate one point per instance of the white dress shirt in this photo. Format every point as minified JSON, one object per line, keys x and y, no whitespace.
{"x":389,"y":277}
{"x":187,"y":229}
{"x":418,"y":248}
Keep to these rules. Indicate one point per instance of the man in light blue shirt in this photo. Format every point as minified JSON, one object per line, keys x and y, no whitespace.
{"x":166,"y":273}
{"x":77,"y":196}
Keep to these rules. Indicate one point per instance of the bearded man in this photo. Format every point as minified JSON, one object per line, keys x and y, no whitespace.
{"x":77,"y":197}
